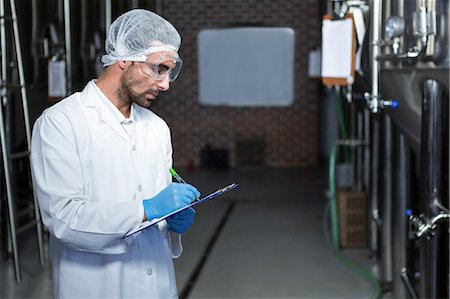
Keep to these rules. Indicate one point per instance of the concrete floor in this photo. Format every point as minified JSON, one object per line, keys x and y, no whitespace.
{"x":262,"y":240}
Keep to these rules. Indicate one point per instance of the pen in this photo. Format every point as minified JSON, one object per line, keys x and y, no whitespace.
{"x":177,"y":176}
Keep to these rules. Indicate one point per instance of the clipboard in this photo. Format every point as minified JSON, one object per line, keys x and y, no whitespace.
{"x":199,"y":201}
{"x":331,"y":74}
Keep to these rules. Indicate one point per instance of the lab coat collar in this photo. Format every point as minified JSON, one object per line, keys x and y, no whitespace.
{"x":94,"y":97}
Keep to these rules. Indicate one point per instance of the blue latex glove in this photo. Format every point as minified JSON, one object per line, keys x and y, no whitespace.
{"x":171,"y":198}
{"x":181,"y":221}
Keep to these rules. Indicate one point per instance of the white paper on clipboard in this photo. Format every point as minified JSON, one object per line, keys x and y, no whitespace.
{"x":206,"y":198}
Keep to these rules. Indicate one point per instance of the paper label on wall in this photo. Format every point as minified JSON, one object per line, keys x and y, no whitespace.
{"x":57,"y":78}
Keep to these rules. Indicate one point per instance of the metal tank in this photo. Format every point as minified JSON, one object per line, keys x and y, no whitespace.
{"x":416,"y":74}
{"x":413,"y":62}
{"x":404,"y":82}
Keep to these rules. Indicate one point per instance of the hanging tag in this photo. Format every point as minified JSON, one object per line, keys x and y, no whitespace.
{"x":57,"y":79}
{"x":360,"y":28}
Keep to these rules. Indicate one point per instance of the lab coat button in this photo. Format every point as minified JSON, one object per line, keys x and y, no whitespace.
{"x":149,"y":272}
{"x":140,"y":188}
{"x":134,"y":147}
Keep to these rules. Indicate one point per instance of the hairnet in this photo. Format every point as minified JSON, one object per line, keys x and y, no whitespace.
{"x":138,"y":33}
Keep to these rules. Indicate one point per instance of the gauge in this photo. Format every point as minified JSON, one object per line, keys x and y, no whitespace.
{"x":395,"y":26}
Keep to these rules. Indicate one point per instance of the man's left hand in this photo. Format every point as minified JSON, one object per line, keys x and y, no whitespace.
{"x":181,"y":221}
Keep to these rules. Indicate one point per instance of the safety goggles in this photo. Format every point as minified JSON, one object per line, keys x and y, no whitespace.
{"x":165,"y":67}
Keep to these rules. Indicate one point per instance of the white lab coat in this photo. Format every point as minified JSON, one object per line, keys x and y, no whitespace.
{"x":90,"y":179}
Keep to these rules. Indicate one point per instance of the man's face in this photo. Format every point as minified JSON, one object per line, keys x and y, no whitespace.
{"x":141,"y":82}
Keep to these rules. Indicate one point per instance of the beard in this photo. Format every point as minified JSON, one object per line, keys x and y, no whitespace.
{"x":125,"y":91}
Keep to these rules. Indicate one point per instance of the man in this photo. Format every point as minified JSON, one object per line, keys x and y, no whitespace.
{"x":100,"y":163}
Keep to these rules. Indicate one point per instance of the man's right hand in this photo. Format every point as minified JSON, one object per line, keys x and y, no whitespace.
{"x":171,"y":198}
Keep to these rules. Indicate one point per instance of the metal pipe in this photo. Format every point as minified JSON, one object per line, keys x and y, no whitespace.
{"x":411,"y":56}
{"x":35,"y":39}
{"x":26,"y":118}
{"x":9,"y":193}
{"x":386,"y":206}
{"x":438,"y":218}
{"x":6,"y":166}
{"x":399,"y":220}
{"x":84,"y":36}
{"x":353,"y":142}
{"x":353,"y":150}
{"x":23,"y":90}
{"x":376,"y":24}
{"x":366,"y":168}
{"x":374,"y":175}
{"x":108,"y":16}
{"x":366,"y":134}
{"x":26,"y":226}
{"x":432,"y":120}
{"x":68,"y":40}
{"x":408,"y":285}
{"x":359,"y":153}
{"x":401,"y":13}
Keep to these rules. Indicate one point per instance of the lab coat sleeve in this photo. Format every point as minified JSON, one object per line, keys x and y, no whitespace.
{"x":81,"y":223}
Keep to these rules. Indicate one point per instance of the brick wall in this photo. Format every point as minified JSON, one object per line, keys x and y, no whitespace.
{"x":289,"y":133}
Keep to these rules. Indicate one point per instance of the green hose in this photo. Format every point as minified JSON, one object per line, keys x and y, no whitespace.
{"x":342,"y":129}
{"x":349,"y":263}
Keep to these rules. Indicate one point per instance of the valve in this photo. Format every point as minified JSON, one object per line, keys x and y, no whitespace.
{"x":420,"y":226}
{"x":375,"y":103}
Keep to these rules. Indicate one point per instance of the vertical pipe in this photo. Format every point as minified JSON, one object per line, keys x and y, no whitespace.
{"x":431,"y":9}
{"x":35,"y":39}
{"x":359,"y":152}
{"x":400,"y":8}
{"x":401,"y":13}
{"x":376,"y":24}
{"x":353,"y":135}
{"x":84,"y":44}
{"x":23,"y":90}
{"x":68,"y":41}
{"x":399,"y":220}
{"x":5,"y":157}
{"x":431,"y":181}
{"x":374,"y":175}
{"x":386,"y":207}
{"x":108,"y":16}
{"x":26,"y":119}
{"x":367,"y":172}
{"x":366,"y":134}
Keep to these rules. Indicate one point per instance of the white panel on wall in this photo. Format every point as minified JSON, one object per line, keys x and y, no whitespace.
{"x":246,"y":66}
